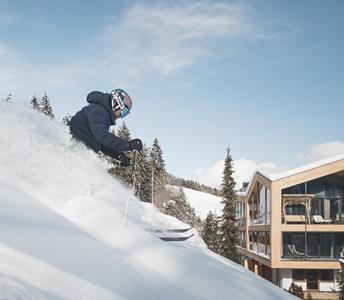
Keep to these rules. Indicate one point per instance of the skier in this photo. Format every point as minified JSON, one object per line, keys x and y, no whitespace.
{"x":91,"y":124}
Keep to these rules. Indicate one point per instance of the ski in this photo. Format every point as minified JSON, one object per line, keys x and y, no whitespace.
{"x":175,"y":238}
{"x":177,"y":230}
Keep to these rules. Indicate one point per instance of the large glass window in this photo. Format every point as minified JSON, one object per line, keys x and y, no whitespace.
{"x":319,"y":201}
{"x":312,"y":277}
{"x":326,"y":275}
{"x":268,"y":247}
{"x":259,"y":205}
{"x":242,"y":239}
{"x":313,"y":245}
{"x":299,"y":275}
{"x":326,"y":245}
{"x":253,"y":236}
{"x":260,"y":242}
{"x":240,"y":215}
{"x":294,"y":245}
{"x":295,"y":209}
{"x":319,"y":246}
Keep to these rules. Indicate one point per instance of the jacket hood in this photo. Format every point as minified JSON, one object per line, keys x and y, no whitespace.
{"x":102,"y":99}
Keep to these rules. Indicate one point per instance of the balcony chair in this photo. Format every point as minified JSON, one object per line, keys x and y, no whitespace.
{"x":293,"y":252}
{"x":318,"y":219}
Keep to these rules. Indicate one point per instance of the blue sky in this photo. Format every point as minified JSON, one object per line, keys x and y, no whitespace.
{"x":265,"y":77}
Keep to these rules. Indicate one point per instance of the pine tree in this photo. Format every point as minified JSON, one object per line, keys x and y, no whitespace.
{"x":177,"y":206}
{"x":296,"y":290}
{"x":143,"y":178}
{"x":8,"y":98}
{"x":125,"y":174}
{"x":228,"y":229}
{"x":210,"y":233}
{"x":34,"y":103}
{"x":45,"y":106}
{"x":340,"y":277}
{"x":124,"y":132}
{"x":66,"y":119}
{"x":158,"y":171}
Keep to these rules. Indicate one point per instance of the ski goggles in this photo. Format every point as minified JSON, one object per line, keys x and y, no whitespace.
{"x":118,"y":103}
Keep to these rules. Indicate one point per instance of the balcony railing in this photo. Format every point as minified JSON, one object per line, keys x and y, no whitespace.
{"x":260,"y":249}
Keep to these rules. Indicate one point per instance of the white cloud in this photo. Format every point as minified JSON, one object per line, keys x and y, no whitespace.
{"x":243,"y":171}
{"x":245,"y":168}
{"x":320,"y":151}
{"x":150,"y":39}
{"x":165,"y":38}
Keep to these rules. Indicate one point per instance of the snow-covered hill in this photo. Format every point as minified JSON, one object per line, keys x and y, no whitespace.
{"x":203,"y":203}
{"x":63,"y":234}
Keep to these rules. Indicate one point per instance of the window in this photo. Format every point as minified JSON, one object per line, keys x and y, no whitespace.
{"x":326,"y":245}
{"x":298,"y":275}
{"x":261,"y":242}
{"x":295,"y":209}
{"x":323,"y":200}
{"x":296,"y":189}
{"x":312,"y":279}
{"x":267,"y":250}
{"x":326,"y":275}
{"x":313,"y":244}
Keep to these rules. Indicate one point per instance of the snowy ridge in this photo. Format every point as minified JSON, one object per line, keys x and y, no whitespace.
{"x":63,"y":235}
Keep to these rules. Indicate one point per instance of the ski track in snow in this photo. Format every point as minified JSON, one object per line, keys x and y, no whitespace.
{"x":63,"y":236}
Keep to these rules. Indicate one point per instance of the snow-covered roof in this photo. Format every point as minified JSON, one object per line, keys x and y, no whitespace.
{"x":316,"y":164}
{"x":277,"y":176}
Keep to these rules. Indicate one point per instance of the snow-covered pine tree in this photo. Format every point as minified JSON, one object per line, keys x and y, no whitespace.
{"x":66,"y":119}
{"x":143,"y":178}
{"x":45,"y":106}
{"x":34,"y":103}
{"x":177,"y":206}
{"x":340,"y":276}
{"x":210,"y":233}
{"x":124,"y":174}
{"x":158,"y":171}
{"x":296,"y":290}
{"x":228,"y":229}
{"x":124,"y":132}
{"x":8,"y":98}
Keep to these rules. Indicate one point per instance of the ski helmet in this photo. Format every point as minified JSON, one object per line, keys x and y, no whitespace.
{"x":120,"y":100}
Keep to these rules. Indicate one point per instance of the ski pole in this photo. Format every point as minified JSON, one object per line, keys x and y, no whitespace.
{"x":133,"y":186}
{"x":126,"y":209}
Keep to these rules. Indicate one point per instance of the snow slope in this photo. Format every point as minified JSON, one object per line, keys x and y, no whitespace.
{"x":63,"y":234}
{"x":203,"y":203}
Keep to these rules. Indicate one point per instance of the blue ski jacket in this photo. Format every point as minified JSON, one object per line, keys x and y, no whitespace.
{"x":91,"y":126}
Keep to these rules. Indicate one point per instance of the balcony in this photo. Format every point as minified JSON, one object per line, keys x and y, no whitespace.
{"x":319,"y":201}
{"x":260,"y":243}
{"x":311,"y":209}
{"x":312,"y":246}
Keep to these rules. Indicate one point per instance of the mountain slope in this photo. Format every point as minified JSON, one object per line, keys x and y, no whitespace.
{"x":63,"y":234}
{"x":203,"y":202}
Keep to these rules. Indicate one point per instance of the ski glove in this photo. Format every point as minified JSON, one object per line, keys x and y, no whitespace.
{"x":135,"y":144}
{"x":125,"y":161}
